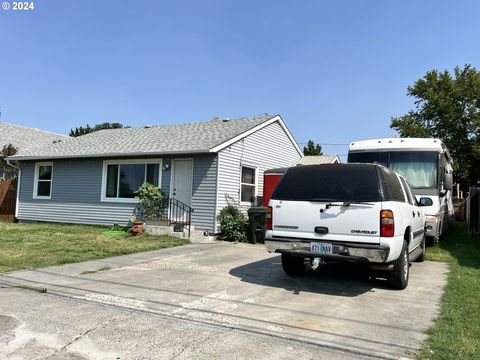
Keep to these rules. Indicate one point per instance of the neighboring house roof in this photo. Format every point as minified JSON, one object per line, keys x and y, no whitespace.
{"x":199,"y":137}
{"x":307,"y":160}
{"x":320,"y":159}
{"x":25,"y":138}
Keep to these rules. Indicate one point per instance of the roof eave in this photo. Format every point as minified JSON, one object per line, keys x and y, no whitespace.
{"x":106,"y":155}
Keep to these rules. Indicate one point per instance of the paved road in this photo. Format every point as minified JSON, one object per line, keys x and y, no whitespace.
{"x":217,"y":300}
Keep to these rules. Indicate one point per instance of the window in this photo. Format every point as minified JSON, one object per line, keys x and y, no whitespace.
{"x":42,"y":188}
{"x":418,"y":167}
{"x":122,"y":178}
{"x":369,"y":157}
{"x":248,"y":185}
{"x":329,"y":183}
{"x":395,"y":192}
{"x":407,"y":191}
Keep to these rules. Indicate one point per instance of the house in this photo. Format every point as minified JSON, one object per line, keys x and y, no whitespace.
{"x":91,"y":179}
{"x":24,"y":138}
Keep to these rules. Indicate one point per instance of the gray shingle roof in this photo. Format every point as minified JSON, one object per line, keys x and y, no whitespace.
{"x":316,"y":160}
{"x":25,"y":138}
{"x":164,"y":139}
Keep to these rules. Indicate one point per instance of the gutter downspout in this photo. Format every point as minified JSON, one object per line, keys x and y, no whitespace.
{"x":9,"y":163}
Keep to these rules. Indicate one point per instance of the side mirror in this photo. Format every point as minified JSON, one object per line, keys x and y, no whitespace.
{"x":425,"y":201}
{"x":448,"y":182}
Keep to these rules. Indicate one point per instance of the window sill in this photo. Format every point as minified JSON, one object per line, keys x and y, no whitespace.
{"x":246,"y":203}
{"x":42,"y":197}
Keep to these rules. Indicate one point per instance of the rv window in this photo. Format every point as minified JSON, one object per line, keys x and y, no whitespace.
{"x":369,"y":157}
{"x":418,"y":167}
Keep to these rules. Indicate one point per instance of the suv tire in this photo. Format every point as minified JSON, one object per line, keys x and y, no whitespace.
{"x":293,"y":265}
{"x":398,"y":279}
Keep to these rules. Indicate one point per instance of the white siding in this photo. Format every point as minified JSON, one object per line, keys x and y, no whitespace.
{"x":265,"y":149}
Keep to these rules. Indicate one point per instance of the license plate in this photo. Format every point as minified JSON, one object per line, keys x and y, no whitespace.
{"x":321,"y":248}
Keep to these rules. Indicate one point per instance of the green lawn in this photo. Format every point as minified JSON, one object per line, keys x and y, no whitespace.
{"x":26,"y":246}
{"x":456,"y":332}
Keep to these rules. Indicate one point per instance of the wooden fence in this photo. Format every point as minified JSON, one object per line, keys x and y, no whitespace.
{"x":8,"y":198}
{"x":473,"y":211}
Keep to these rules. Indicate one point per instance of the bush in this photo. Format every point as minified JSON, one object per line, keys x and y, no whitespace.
{"x":233,"y":224}
{"x":151,"y":200}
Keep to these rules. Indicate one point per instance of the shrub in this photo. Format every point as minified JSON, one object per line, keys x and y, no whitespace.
{"x":233,"y":224}
{"x":150,"y":198}
{"x":149,"y":191}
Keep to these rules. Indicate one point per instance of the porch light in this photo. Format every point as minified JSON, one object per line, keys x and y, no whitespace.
{"x":166,"y":164}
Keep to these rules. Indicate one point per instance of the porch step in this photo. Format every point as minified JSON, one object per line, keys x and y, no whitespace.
{"x":196,"y":236}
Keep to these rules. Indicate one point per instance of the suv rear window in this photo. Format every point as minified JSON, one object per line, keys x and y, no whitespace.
{"x":348,"y":182}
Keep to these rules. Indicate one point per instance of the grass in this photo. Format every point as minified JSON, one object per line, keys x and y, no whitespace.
{"x":27,"y":246}
{"x":456,"y":332}
{"x":32,"y":288}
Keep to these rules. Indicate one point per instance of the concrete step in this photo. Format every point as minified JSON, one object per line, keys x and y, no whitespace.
{"x":196,"y":236}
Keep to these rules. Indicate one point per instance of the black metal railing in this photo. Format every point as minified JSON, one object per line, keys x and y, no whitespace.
{"x":169,"y":211}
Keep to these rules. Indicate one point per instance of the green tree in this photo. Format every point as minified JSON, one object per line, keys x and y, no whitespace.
{"x":79,"y":131}
{"x":9,"y":170}
{"x":312,"y":149}
{"x":448,"y":108}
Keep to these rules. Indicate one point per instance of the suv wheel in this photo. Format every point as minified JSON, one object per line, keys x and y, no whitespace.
{"x":401,"y":269}
{"x":423,"y":246}
{"x":293,"y":265}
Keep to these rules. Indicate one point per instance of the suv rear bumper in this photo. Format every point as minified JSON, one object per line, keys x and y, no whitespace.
{"x":342,"y":251}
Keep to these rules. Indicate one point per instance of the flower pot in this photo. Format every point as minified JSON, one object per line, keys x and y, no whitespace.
{"x":137,"y":228}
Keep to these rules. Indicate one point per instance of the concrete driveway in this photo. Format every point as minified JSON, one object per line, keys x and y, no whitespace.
{"x":218,"y":300}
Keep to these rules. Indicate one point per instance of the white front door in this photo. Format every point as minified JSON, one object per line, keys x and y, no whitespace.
{"x":182,"y":180}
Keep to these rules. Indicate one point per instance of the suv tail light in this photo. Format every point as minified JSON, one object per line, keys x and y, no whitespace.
{"x":387,"y":223}
{"x":269,"y":218}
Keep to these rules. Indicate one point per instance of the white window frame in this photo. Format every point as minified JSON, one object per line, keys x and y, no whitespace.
{"x":36,"y":180}
{"x":134,"y":200}
{"x":255,"y":184}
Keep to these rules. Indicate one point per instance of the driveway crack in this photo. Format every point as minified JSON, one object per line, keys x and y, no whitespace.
{"x":202,"y":341}
{"x":83,"y":334}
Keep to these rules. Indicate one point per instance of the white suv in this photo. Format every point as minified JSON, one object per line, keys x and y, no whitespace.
{"x":346,"y":212}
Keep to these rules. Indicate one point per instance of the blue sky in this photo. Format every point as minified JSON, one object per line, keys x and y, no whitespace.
{"x":336,"y":71}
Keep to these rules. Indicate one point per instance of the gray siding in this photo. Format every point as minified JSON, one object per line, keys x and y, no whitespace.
{"x":165,"y":185}
{"x":203,"y":192}
{"x":265,"y":149}
{"x":76,"y":195}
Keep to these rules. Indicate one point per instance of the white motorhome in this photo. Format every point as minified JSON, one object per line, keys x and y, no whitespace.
{"x":425,"y":163}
